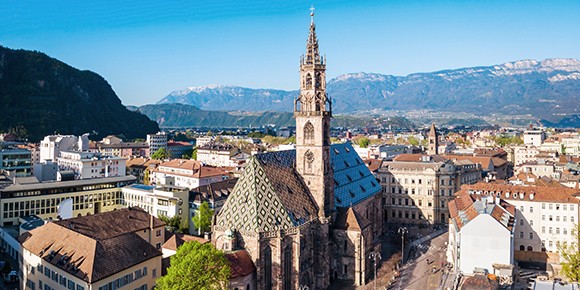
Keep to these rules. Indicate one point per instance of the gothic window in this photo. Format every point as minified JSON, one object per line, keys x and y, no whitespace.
{"x":268,"y":268}
{"x":288,"y":268}
{"x":318,"y":100}
{"x":318,"y":80}
{"x":308,"y":133}
{"x":308,"y":84}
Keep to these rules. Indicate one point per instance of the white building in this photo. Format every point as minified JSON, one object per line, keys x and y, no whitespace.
{"x":545,"y":217}
{"x":52,"y":145}
{"x":481,"y":233}
{"x":185,"y":173}
{"x":88,"y":165}
{"x":158,"y":201}
{"x":216,"y":154}
{"x":156,"y":141}
{"x":534,"y":137}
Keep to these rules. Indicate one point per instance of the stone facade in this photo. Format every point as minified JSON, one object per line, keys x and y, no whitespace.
{"x":310,"y":215}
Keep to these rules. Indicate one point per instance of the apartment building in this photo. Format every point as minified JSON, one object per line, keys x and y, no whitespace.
{"x":158,"y":201}
{"x":216,"y":154}
{"x":417,"y":188}
{"x":87,"y":165}
{"x":185,"y":173}
{"x":156,"y":141}
{"x":94,"y":252}
{"x":545,"y":217}
{"x":15,"y":160}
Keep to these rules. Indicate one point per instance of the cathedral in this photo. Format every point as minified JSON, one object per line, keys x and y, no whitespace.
{"x":309,"y":216}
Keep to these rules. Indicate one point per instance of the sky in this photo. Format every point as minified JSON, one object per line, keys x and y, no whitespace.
{"x":147,"y":49}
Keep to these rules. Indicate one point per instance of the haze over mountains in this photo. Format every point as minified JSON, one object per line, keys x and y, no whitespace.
{"x":546,"y":89}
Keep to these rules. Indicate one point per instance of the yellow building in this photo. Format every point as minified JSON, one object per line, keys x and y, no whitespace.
{"x":104,"y":251}
{"x":89,"y":196}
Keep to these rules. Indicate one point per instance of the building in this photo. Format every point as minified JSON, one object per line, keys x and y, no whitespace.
{"x":178,"y":149}
{"x":112,"y":147}
{"x":52,"y":145}
{"x":545,"y":217}
{"x":216,"y":154}
{"x":158,"y":201}
{"x":292,"y":210}
{"x":89,"y":196}
{"x":493,"y":167}
{"x":16,"y":161}
{"x":141,"y":168}
{"x":417,"y":188}
{"x":87,"y":165}
{"x":156,"y":141}
{"x":534,"y":137}
{"x":94,"y":252}
{"x":481,"y":233}
{"x":186,"y":173}
{"x":433,"y":147}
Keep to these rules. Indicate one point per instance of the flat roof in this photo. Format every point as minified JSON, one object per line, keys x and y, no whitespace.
{"x":70,"y":183}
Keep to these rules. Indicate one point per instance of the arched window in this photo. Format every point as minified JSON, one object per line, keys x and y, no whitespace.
{"x":308,"y":83}
{"x":268,"y":268}
{"x":288,"y":268}
{"x":443,"y":220}
{"x":318,"y":83}
{"x":248,"y":287}
{"x":522,"y":248}
{"x":308,"y":133}
{"x":530,"y":248}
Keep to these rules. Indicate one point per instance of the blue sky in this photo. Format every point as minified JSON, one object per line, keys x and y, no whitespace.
{"x":146,"y":49}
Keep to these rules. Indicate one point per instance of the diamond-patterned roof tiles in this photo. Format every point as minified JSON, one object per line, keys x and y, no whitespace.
{"x":271,"y":195}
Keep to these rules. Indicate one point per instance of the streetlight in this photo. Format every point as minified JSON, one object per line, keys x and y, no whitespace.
{"x":375,"y":256}
{"x":403,"y":231}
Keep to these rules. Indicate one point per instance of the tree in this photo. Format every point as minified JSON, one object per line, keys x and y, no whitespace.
{"x":202,"y":218}
{"x":196,"y":266}
{"x":188,"y":154}
{"x":364,"y":142}
{"x":174,"y":224}
{"x":571,"y":255}
{"x":160,"y":154}
{"x":413,"y":141}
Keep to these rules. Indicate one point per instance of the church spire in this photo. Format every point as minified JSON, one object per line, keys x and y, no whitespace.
{"x":312,"y":55}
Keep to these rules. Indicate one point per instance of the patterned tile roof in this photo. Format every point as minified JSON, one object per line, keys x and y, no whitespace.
{"x":353,"y":181}
{"x":270,"y":193}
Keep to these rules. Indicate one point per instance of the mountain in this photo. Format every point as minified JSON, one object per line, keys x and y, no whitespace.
{"x":44,"y":96}
{"x":545,"y":89}
{"x":179,"y":115}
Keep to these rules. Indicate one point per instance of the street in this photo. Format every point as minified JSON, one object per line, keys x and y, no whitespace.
{"x":425,"y":266}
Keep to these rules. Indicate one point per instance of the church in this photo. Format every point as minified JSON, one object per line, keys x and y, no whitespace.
{"x":309,"y":216}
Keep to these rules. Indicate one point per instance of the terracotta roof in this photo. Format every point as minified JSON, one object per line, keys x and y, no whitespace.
{"x":176,"y":240}
{"x":182,"y":164}
{"x":466,"y":207}
{"x":517,"y":192}
{"x":113,"y":223}
{"x":179,"y":143}
{"x":241,"y":264}
{"x":199,"y":170}
{"x":479,"y":282}
{"x":216,"y":146}
{"x":88,"y":257}
{"x":141,"y":161}
{"x":349,"y":219}
{"x":373,"y":164}
{"x":484,"y":161}
{"x":417,"y":158}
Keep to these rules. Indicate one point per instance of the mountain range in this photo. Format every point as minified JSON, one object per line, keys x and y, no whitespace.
{"x":547,"y":89}
{"x":41,"y":95}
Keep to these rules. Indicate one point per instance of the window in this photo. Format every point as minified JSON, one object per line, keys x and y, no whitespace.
{"x":268,"y":268}
{"x":154,"y":273}
{"x":308,"y":133}
{"x":565,"y":207}
{"x":522,"y":247}
{"x":158,"y":233}
{"x":531,"y":209}
{"x":543,"y":230}
{"x":543,"y":217}
{"x":549,"y":230}
{"x":530,"y":248}
{"x":557,"y":231}
{"x":521,"y":222}
{"x":531,"y":222}
{"x":158,"y":245}
{"x":564,"y":218}
{"x":550,"y":218}
{"x":521,"y":208}
{"x":531,"y":236}
{"x":549,"y":206}
{"x":521,"y":235}
{"x":572,"y":219}
{"x":543,"y":206}
{"x":564,"y":231}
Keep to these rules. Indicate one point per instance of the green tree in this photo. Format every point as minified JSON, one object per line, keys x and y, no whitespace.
{"x":174,"y":224}
{"x":571,"y":255}
{"x":187,"y":154}
{"x":202,"y":218}
{"x":160,"y":154}
{"x":413,"y":141}
{"x":196,"y":266}
{"x":364,"y":142}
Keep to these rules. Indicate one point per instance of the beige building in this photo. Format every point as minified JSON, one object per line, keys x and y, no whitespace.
{"x":158,"y":201}
{"x":94,"y":252}
{"x":185,"y":173}
{"x":89,"y":196}
{"x":418,"y":187}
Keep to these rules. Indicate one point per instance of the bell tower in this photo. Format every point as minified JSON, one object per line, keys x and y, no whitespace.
{"x":433,"y":148}
{"x":312,"y":111}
